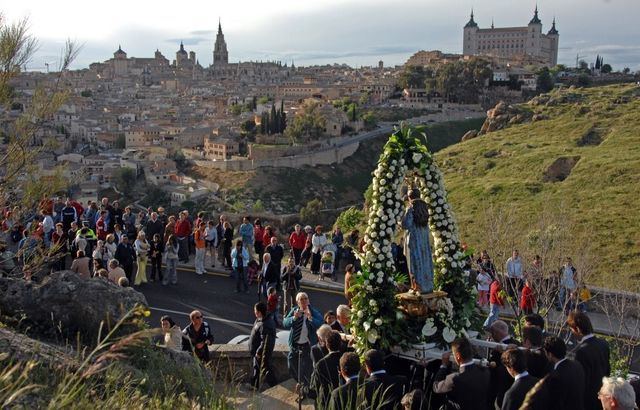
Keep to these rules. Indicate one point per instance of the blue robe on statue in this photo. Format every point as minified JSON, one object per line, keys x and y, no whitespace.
{"x":418,"y":252}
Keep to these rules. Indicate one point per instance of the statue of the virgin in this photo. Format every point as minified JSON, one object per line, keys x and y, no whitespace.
{"x":416,"y":243}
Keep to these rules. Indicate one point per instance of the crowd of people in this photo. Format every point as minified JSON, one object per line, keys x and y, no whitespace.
{"x":529,"y":287}
{"x":119,"y":245}
{"x":147,"y":245}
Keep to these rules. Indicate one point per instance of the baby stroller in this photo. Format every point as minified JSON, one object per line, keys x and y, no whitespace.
{"x":327,"y":267}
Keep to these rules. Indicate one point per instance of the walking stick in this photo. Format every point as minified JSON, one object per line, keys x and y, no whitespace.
{"x":300,"y":379}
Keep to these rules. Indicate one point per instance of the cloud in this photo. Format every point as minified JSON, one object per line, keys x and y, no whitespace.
{"x":202,"y":32}
{"x":188,"y":41}
{"x":330,"y":55}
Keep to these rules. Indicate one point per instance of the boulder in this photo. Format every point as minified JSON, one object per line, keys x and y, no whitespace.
{"x":503,"y":115}
{"x":469,"y":135}
{"x":65,"y":304}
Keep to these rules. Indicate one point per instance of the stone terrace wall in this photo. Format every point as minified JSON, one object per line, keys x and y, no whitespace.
{"x":324,"y":157}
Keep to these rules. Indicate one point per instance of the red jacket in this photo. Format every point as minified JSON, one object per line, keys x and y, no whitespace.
{"x":258,"y":233}
{"x":297,"y":241}
{"x":101,"y":229}
{"x":183,"y":228}
{"x":494,"y":296}
{"x":527,"y":301}
{"x":266,"y":238}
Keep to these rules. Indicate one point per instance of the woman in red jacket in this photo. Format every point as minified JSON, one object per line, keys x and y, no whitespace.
{"x":297,"y":241}
{"x":258,"y":235}
{"x":527,"y":300}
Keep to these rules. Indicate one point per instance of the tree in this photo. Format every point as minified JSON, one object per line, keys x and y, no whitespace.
{"x":626,"y":70}
{"x":352,"y":218}
{"x":310,"y":212}
{"x":125,"y":179}
{"x":606,"y":69}
{"x":283,"y":117}
{"x":258,"y":206}
{"x":544,"y":80}
{"x":412,"y":77}
{"x":352,"y":112}
{"x":308,"y":122}
{"x":583,"y":65}
{"x":248,"y":126}
{"x":235,"y":109}
{"x":121,"y":141}
{"x":370,"y":120}
{"x":21,"y":183}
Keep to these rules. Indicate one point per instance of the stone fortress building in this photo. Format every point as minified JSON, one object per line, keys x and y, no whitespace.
{"x":513,"y":42}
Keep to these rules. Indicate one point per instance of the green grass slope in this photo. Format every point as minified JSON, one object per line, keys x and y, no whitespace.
{"x":600,"y":197}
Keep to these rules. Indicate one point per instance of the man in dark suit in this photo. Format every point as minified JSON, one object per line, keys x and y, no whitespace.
{"x":319,"y":350}
{"x":515,"y":361}
{"x":537,"y":363}
{"x":352,"y":394}
{"x":343,"y":317}
{"x":466,"y":390}
{"x":593,"y":354}
{"x":326,"y":377}
{"x":387,"y":389}
{"x":501,"y":381}
{"x":261,"y":344}
{"x":270,"y":275}
{"x":566,"y":380}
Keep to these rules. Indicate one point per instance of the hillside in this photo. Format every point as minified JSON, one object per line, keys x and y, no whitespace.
{"x":286,"y":190}
{"x":575,"y":169}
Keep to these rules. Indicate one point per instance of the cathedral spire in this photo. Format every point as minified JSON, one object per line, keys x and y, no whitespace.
{"x":553,"y":27}
{"x":219,"y":26}
{"x":471,"y":22}
{"x":535,"y":19}
{"x":492,"y":26}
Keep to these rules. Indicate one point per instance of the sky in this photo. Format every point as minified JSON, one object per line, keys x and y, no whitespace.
{"x":355,"y":32}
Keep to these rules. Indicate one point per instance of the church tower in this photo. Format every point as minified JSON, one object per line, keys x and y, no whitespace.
{"x":469,"y":39}
{"x":220,"y":54}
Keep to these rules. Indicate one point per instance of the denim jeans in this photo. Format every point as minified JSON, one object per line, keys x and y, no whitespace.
{"x":241,"y":279}
{"x":494,"y":314}
{"x":172,"y":273}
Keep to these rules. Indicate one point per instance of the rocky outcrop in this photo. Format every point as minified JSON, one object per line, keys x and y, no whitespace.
{"x":502,"y":115}
{"x":65,"y":304}
{"x":471,"y":134}
{"x":21,"y":348}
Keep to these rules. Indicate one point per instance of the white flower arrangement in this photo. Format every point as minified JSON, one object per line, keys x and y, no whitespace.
{"x":407,"y":159}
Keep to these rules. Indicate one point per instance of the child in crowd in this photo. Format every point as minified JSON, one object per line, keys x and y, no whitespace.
{"x":584,"y":295}
{"x":483,"y":281}
{"x":272,"y":304}
{"x":252,"y":271}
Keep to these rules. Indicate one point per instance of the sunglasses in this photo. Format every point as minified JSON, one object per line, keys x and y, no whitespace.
{"x":197,"y":317}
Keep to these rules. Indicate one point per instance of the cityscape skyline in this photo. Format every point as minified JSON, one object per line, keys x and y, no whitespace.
{"x":351,"y":32}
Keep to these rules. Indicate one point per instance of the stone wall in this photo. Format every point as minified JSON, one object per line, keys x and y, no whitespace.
{"x":325,"y":157}
{"x":234,"y":363}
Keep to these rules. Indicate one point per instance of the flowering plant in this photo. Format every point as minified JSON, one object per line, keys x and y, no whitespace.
{"x":377,"y":321}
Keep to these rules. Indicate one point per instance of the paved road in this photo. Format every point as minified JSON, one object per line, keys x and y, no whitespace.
{"x":229,"y":313}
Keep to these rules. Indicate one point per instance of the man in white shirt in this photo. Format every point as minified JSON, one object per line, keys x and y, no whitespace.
{"x":514,"y":273}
